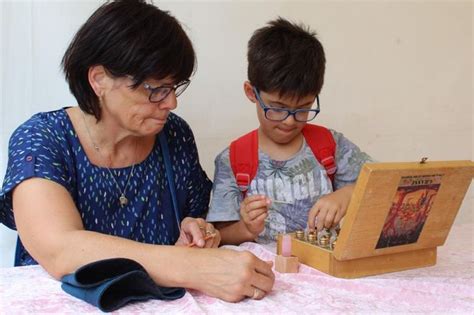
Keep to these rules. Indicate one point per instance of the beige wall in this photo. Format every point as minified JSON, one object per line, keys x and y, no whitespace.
{"x":398,"y":82}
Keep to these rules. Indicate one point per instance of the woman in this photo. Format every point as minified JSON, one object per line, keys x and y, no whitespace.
{"x":88,"y":183}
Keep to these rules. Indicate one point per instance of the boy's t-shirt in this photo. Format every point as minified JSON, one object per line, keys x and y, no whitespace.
{"x":293,"y":185}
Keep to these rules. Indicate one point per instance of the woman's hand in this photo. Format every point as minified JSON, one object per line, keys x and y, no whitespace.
{"x":254,"y":211}
{"x":197,"y":232}
{"x":231,"y":275}
{"x":330,"y":209}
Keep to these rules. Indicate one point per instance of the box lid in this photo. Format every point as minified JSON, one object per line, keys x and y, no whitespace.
{"x":398,"y":207}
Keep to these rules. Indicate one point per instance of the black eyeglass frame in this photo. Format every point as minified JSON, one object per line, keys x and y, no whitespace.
{"x":167,"y":88}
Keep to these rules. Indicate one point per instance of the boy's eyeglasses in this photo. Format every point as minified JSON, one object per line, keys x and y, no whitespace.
{"x":158,"y":94}
{"x":280,"y":114}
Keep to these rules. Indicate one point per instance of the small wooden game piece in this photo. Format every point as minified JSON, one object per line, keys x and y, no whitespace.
{"x":312,"y":238}
{"x":286,"y":245}
{"x":333,"y":238}
{"x":285,"y":263}
{"x":323,"y":241}
{"x":300,"y":234}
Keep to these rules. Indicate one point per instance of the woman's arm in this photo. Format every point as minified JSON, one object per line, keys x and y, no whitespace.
{"x":51,"y":230}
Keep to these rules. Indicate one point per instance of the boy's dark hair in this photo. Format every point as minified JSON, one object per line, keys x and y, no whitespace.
{"x":286,"y":58}
{"x":129,"y":37}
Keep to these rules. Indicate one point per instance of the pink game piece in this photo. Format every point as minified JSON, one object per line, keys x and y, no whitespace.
{"x":286,"y":245}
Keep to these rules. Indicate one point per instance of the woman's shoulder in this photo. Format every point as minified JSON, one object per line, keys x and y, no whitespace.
{"x":45,"y":122}
{"x":43,"y":127}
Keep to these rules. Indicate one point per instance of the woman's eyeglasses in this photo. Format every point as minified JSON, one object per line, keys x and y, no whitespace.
{"x":158,"y":94}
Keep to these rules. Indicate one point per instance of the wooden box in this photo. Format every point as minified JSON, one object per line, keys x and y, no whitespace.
{"x":398,"y":215}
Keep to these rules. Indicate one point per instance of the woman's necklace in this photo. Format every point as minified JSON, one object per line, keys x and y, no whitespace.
{"x":123,"y":200}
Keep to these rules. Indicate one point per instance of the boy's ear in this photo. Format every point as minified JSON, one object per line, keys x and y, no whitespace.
{"x":248,"y":89}
{"x":98,"y":79}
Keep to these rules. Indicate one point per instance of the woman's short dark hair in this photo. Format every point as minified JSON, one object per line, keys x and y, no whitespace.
{"x":286,"y":58}
{"x":128,"y":37}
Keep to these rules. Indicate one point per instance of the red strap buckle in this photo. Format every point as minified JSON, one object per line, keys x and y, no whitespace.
{"x":243,"y":181}
{"x":329,"y":164}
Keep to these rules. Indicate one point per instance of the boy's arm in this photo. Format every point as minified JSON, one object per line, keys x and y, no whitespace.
{"x":329,"y":209}
{"x":253,"y":212}
{"x":225,"y":202}
{"x":234,"y":233}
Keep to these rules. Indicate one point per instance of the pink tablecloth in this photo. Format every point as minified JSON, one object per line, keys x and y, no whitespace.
{"x":445,"y":288}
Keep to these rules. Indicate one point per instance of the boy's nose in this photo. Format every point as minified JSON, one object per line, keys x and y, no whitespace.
{"x":290,"y":120}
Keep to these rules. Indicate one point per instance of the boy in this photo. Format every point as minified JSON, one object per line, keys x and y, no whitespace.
{"x":290,"y":189}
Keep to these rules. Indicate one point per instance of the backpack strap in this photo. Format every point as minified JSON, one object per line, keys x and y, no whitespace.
{"x":170,"y":177}
{"x":18,"y":250}
{"x":243,"y":154}
{"x":322,"y":143}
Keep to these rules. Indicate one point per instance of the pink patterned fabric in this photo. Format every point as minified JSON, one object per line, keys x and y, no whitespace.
{"x":445,"y":288}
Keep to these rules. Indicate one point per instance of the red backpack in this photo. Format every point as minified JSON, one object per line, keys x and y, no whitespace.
{"x":243,"y":154}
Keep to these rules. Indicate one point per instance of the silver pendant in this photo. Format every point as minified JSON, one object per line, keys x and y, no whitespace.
{"x":123,"y":200}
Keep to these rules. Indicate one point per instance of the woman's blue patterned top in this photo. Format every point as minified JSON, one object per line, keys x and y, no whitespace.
{"x":47,"y":146}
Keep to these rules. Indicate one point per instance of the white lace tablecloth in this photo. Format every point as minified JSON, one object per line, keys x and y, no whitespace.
{"x":446,"y":288}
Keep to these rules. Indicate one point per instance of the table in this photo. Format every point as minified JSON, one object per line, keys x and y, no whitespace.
{"x":447,"y":287}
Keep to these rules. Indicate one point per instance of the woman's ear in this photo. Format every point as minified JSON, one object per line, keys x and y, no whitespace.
{"x":248,"y":89}
{"x":97,"y":76}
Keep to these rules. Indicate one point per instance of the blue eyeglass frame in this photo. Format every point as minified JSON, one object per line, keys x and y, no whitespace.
{"x":288,"y":112}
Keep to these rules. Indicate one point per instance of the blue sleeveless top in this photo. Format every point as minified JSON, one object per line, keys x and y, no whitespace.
{"x":47,"y":146}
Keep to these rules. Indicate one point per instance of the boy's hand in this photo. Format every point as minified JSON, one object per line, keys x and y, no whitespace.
{"x":330,"y":209}
{"x":253,"y":211}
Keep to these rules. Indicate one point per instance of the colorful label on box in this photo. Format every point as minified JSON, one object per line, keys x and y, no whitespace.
{"x":410,"y":207}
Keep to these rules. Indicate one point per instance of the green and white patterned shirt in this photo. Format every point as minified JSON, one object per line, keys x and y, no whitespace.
{"x":293,"y":185}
